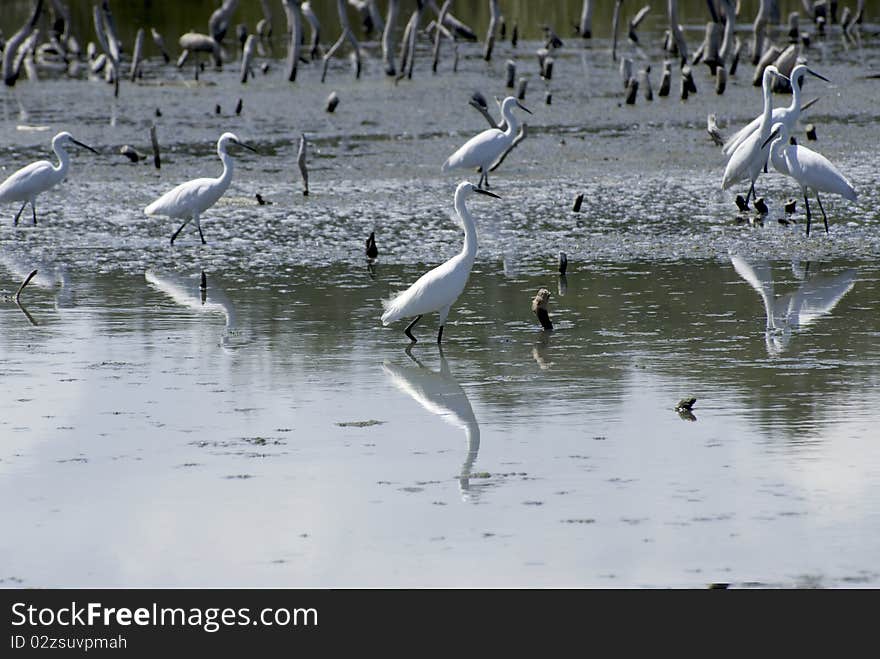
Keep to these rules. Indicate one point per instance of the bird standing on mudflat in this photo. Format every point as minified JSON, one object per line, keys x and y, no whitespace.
{"x":34,"y":179}
{"x":483,"y":149}
{"x":189,"y":200}
{"x":438,"y":289}
{"x":810,"y":169}
{"x":750,"y":157}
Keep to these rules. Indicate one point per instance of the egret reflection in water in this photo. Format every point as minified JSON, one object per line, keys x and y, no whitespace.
{"x":815,"y":297}
{"x":198,"y":293}
{"x":441,"y":394}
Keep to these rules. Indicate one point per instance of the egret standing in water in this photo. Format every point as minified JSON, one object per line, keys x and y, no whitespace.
{"x":189,"y":200}
{"x":438,"y":289}
{"x":811,"y":170}
{"x":483,"y":149}
{"x":28,"y":182}
{"x":750,"y":157}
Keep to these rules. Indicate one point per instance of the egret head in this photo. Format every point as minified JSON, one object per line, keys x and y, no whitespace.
{"x":511,"y":102}
{"x":798,"y":73}
{"x":779,"y":130}
{"x":231,"y":138}
{"x":772,"y":72}
{"x":465,"y":188}
{"x":64,"y":138}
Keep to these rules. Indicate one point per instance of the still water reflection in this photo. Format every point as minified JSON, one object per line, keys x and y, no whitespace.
{"x":298,"y":458}
{"x":441,"y":394}
{"x":814,"y":297}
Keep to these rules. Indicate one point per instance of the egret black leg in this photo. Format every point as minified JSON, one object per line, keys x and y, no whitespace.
{"x":809,"y":216}
{"x":751,"y":193}
{"x":408,"y":330}
{"x":486,"y":180}
{"x":824,"y":218}
{"x":176,"y":233}
{"x":201,"y":235}
{"x":34,"y":211}
{"x":440,"y":335}
{"x":18,"y":215}
{"x":482,"y":176}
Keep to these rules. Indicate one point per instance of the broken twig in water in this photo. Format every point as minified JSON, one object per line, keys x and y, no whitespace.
{"x":301,"y":161}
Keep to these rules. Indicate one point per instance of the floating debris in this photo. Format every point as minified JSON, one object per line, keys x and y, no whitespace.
{"x":332,"y":101}
{"x":577,"y":203}
{"x":359,"y":424}
{"x":741,"y":203}
{"x":301,"y":161}
{"x":563,"y":263}
{"x":761,"y":206}
{"x":811,"y":132}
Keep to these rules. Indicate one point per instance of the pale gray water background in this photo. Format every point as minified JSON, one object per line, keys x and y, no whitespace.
{"x":149,"y":439}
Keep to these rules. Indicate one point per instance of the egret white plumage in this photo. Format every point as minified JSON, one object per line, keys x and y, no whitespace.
{"x":189,"y":200}
{"x":750,"y":157}
{"x":789,"y":114}
{"x":483,"y":149}
{"x":810,"y":169}
{"x":438,"y":289}
{"x":30,"y":181}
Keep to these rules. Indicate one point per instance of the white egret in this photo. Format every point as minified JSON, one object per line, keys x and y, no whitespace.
{"x":483,"y":149}
{"x":811,"y":170}
{"x":789,"y":114}
{"x":750,"y":157}
{"x":28,"y":182}
{"x":189,"y":200}
{"x":438,"y":289}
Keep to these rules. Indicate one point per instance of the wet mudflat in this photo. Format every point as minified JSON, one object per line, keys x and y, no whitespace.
{"x":269,"y":431}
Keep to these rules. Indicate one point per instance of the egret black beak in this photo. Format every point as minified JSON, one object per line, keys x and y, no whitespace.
{"x":248,"y":147}
{"x":772,"y":137}
{"x":821,"y":77}
{"x":85,"y":146}
{"x":523,"y":107}
{"x":486,"y":192}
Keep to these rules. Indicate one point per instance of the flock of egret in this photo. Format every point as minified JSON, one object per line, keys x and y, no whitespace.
{"x":762,"y":142}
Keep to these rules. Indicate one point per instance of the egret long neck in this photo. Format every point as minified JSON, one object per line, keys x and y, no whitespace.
{"x":795,"y":105}
{"x":228,"y":166}
{"x":768,"y":107}
{"x":512,"y":121}
{"x":63,"y":160}
{"x":469,"y":250}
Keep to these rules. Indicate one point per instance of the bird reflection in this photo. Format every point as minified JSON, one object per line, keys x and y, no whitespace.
{"x":439,"y":393}
{"x":199,"y":294}
{"x":815,"y":297}
{"x":539,"y":351}
{"x":50,"y":276}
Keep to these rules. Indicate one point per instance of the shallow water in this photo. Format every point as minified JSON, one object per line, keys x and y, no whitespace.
{"x":274,"y":433}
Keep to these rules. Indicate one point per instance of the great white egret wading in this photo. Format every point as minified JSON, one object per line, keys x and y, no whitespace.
{"x":438,"y":289}
{"x":189,"y":200}
{"x":31,"y":180}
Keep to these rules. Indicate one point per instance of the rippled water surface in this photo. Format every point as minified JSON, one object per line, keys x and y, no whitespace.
{"x":268,"y":431}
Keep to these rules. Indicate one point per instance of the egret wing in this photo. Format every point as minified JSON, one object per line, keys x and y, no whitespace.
{"x":28,"y":181}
